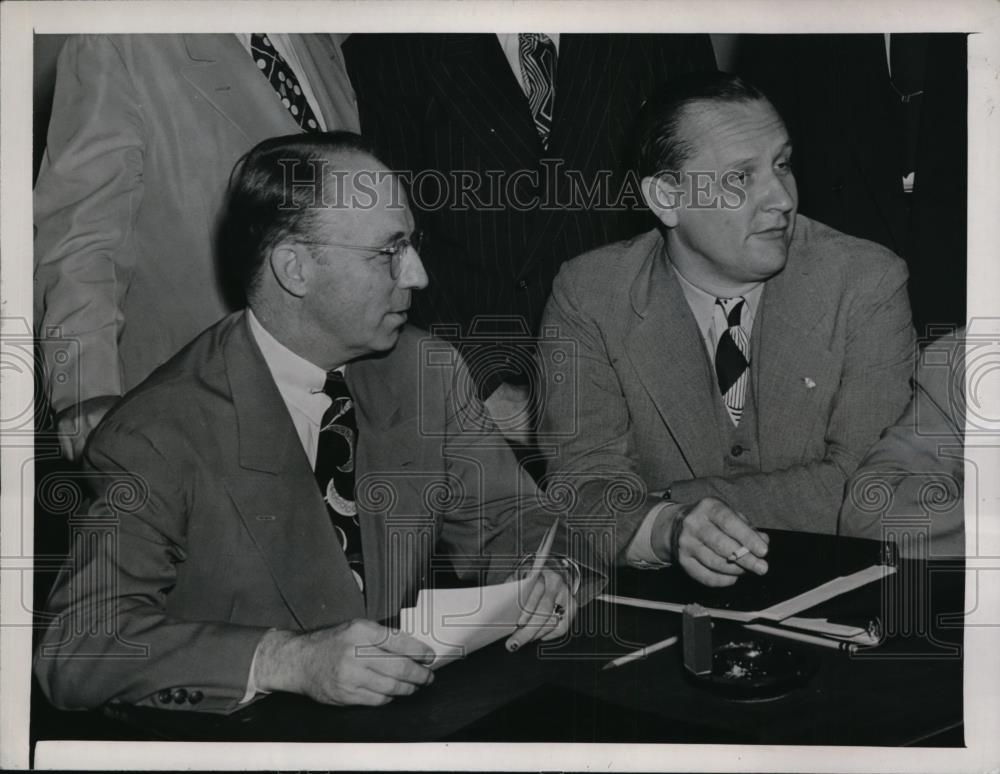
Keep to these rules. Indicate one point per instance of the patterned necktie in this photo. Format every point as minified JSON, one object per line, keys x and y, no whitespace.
{"x":732,"y":358}
{"x":338,"y":438}
{"x":281,"y":77}
{"x":538,"y":66}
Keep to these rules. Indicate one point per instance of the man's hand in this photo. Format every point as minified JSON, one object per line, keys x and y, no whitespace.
{"x":508,"y":406}
{"x":359,"y":662}
{"x":704,"y":537}
{"x":75,"y":424}
{"x":547,"y":610}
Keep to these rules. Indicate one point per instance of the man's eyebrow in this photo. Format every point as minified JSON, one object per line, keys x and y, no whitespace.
{"x":749,"y":161}
{"x":394,"y":237}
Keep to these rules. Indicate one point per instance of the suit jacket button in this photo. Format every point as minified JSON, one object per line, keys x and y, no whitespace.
{"x":195,"y":696}
{"x":180,"y":696}
{"x":736,"y":451}
{"x":164,"y":696}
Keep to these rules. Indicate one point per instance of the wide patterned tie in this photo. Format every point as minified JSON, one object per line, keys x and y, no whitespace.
{"x":538,"y":66}
{"x":283,"y":80}
{"x":338,"y":438}
{"x":732,"y":358}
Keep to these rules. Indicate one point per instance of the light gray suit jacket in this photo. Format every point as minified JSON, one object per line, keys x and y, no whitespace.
{"x":145,"y":131}
{"x":832,"y":349}
{"x":910,"y":487}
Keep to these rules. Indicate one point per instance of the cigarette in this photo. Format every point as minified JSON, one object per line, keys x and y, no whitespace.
{"x":739,"y":554}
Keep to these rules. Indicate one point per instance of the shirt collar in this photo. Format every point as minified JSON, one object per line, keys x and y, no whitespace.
{"x":299,"y":381}
{"x":703,"y":304}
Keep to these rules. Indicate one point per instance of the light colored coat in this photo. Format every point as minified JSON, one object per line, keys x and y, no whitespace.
{"x":832,"y":348}
{"x":144,"y":134}
{"x":911,"y":485}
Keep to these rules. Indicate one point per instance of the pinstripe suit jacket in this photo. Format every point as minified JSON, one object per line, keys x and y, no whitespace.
{"x":451,"y":104}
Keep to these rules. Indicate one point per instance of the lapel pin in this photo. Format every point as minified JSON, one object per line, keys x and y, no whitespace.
{"x":809,"y":383}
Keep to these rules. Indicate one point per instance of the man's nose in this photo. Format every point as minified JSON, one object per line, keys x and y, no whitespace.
{"x":411,"y":272}
{"x":781,"y":193}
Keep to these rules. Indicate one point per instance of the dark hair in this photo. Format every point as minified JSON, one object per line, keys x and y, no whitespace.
{"x":661,"y":146}
{"x":262,"y":208}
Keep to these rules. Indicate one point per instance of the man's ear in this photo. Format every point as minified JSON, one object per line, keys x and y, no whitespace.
{"x":291,"y":265}
{"x":663,"y":197}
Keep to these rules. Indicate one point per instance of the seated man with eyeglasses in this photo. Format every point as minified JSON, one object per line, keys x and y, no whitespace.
{"x":293,"y":475}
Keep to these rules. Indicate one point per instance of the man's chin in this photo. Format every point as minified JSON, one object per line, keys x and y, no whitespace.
{"x":389,"y":339}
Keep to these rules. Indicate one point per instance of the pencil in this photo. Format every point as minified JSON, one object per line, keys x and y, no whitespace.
{"x":542,"y":555}
{"x":812,"y":639}
{"x":641,"y":653}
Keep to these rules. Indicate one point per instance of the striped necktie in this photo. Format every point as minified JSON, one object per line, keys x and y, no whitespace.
{"x":338,"y":439}
{"x":538,"y":66}
{"x":732,"y":358}
{"x":283,"y":81}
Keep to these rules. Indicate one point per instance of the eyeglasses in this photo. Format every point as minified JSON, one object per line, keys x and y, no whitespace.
{"x":394,"y":252}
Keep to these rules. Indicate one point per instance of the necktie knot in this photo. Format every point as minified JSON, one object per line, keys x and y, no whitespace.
{"x":733,"y":309}
{"x":335,"y":387}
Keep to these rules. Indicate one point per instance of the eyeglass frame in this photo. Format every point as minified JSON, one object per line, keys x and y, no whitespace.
{"x":395,"y":251}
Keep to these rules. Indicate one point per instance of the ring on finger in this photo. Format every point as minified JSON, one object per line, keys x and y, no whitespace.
{"x":558,"y":610}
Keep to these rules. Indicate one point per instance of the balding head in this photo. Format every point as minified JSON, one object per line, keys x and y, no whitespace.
{"x":326,"y":245}
{"x":278,"y":187}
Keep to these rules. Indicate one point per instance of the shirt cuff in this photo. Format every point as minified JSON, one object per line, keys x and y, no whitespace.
{"x":640,"y":551}
{"x":252,"y":691}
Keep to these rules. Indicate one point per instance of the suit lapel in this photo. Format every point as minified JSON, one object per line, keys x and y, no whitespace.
{"x":381,"y":458}
{"x":791,"y":365}
{"x":666,"y":351}
{"x":222,"y":71}
{"x":278,"y":499}
{"x":324,"y":69}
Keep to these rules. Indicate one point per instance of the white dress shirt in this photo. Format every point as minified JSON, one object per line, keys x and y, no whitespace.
{"x":300,"y":384}
{"x":282,"y":43}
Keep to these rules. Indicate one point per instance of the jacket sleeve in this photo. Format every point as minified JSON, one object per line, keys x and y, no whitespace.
{"x":912,"y":479}
{"x":89,"y":190}
{"x":587,"y":417}
{"x":111,"y":637}
{"x":498,"y":511}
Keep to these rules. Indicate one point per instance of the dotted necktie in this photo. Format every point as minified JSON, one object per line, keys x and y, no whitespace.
{"x":283,"y":80}
{"x":338,"y":438}
{"x":538,"y":66}
{"x":732,"y":358}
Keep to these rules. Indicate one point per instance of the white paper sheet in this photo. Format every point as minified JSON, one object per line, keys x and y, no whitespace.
{"x":457,"y":622}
